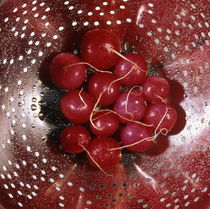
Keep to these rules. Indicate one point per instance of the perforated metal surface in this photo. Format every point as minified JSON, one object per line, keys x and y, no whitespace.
{"x":34,"y":170}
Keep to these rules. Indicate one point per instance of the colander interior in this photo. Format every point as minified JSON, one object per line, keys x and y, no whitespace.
{"x":35,"y":172}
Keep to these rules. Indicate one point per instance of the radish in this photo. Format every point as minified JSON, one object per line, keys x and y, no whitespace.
{"x":155,"y":89}
{"x":131,"y":105}
{"x":162,"y":117}
{"x":131,"y":69}
{"x":94,"y":49}
{"x":100,"y":154}
{"x":64,"y":73}
{"x":100,"y":84}
{"x":106,"y":123}
{"x":135,"y":133}
{"x":74,"y":138}
{"x":77,"y":106}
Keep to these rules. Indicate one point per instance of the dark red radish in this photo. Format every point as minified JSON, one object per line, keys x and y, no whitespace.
{"x":100,"y":82}
{"x":96,"y":48}
{"x":74,"y":138}
{"x":131,"y":70}
{"x":105,"y":123}
{"x":100,"y":154}
{"x":131,"y":105}
{"x":162,"y":117}
{"x":77,"y":106}
{"x":155,"y":89}
{"x":65,"y":75}
{"x":138,"y":135}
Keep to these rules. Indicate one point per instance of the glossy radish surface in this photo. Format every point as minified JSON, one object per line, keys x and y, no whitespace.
{"x":105,"y":123}
{"x":74,"y":138}
{"x":77,"y":106}
{"x":96,"y":48}
{"x":155,"y":89}
{"x":133,"y":133}
{"x":65,"y":76}
{"x":99,"y":83}
{"x":162,"y":117}
{"x":99,"y":150}
{"x":133,"y":69}
{"x":131,"y":105}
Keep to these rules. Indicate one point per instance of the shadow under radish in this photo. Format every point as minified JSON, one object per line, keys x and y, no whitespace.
{"x":181,"y":121}
{"x":177,"y":93}
{"x":44,"y":70}
{"x":51,"y":115}
{"x":161,"y":144}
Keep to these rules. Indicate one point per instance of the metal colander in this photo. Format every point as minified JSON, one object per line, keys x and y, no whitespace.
{"x":34,"y":170}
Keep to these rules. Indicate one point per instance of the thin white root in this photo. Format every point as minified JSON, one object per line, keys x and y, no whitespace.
{"x":148,"y":138}
{"x":100,"y":116}
{"x":132,"y":121}
{"x":96,"y":104}
{"x":80,"y":96}
{"x":159,"y":124}
{"x":88,"y":64}
{"x":123,"y":57}
{"x":138,"y":142}
{"x":121,"y":78}
{"x":127,"y":97}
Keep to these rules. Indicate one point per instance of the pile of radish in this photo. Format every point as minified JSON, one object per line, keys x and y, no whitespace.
{"x":119,"y":97}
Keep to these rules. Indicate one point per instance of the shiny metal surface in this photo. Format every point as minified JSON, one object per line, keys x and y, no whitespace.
{"x":34,"y":170}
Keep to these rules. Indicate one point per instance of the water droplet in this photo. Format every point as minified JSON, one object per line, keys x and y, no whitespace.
{"x":33,"y":107}
{"x":126,"y":47}
{"x":42,"y":103}
{"x":34,"y":99}
{"x":35,"y":115}
{"x":42,"y":94}
{"x":33,"y":125}
{"x":41,"y":116}
{"x":44,"y":138}
{"x":19,"y":104}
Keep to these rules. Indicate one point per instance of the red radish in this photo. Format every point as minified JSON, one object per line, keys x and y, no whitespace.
{"x":77,"y":105}
{"x":65,"y":75}
{"x":74,"y":138}
{"x":131,"y":70}
{"x":99,"y":152}
{"x":162,"y":117}
{"x":131,"y":105}
{"x":100,"y":82}
{"x":106,"y":123}
{"x":135,"y":133}
{"x":155,"y":89}
{"x":96,"y":48}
